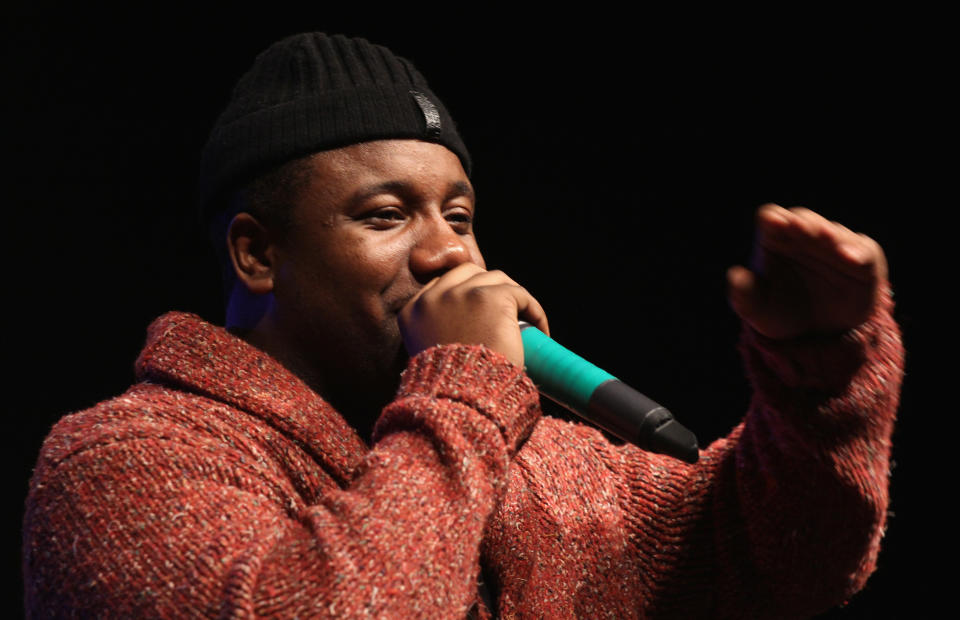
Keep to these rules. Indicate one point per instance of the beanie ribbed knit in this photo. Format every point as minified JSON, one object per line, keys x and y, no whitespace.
{"x":312,"y":92}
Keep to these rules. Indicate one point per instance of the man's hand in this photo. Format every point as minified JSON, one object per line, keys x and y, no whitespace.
{"x":809,"y":275}
{"x":469,"y":305}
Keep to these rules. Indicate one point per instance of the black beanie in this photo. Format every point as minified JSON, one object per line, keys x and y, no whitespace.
{"x":312,"y":92}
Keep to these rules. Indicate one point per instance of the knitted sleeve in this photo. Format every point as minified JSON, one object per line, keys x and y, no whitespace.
{"x":780,"y":519}
{"x":136,"y":517}
{"x":803,"y":484}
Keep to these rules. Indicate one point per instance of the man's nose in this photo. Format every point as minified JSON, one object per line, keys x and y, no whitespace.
{"x":439,"y":249}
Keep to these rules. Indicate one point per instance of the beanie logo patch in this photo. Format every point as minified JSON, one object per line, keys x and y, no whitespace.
{"x":430,"y":114}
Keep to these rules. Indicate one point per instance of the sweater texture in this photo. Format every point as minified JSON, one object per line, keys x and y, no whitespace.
{"x":220,"y":485}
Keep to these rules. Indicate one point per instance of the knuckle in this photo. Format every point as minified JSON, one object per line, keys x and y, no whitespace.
{"x":478,"y":294}
{"x":448,"y":296}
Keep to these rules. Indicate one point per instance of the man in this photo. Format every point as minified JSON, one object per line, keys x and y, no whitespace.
{"x":236,"y":479}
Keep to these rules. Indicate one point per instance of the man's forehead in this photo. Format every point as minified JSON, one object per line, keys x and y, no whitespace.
{"x":385,"y":165}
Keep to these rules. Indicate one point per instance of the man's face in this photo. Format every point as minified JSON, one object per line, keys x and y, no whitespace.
{"x":374,"y":223}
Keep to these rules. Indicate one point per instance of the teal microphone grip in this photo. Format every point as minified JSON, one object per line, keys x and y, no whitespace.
{"x":600,"y":398}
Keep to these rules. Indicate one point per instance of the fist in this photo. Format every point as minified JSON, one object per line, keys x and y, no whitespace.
{"x":809,"y":275}
{"x":469,"y":305}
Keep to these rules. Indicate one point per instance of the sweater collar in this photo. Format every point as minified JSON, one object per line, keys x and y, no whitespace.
{"x":185,"y":351}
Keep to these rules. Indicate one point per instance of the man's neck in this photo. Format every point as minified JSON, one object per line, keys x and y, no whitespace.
{"x":359,"y":402}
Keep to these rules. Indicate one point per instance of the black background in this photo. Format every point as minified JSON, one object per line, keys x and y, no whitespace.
{"x":618,"y":157}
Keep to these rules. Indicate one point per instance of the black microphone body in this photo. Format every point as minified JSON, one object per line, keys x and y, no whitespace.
{"x":600,"y":398}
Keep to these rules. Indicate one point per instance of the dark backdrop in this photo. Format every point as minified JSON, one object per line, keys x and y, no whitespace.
{"x":619,"y":158}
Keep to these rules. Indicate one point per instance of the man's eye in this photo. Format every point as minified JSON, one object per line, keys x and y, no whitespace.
{"x":385,"y":217}
{"x":460,"y":220}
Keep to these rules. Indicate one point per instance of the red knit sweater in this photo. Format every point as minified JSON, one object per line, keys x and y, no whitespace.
{"x":221,"y":485}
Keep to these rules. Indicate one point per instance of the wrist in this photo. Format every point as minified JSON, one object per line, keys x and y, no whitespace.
{"x":480,"y":378}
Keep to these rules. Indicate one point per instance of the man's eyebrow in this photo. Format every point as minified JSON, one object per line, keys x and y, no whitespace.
{"x":462,"y":188}
{"x":386,"y":187}
{"x":403,"y":188}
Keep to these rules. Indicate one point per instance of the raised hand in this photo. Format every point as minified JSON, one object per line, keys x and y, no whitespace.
{"x":809,"y":275}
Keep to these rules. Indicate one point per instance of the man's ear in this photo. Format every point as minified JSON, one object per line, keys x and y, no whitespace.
{"x":252,"y":252}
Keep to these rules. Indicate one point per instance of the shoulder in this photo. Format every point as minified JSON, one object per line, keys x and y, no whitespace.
{"x":147,"y":413}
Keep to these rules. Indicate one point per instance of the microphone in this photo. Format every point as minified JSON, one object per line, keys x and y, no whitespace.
{"x":598,"y":397}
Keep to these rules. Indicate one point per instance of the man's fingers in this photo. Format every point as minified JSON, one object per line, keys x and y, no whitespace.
{"x":530,"y":310}
{"x":809,"y":275}
{"x":801,"y":235}
{"x":473,"y":306}
{"x":496,"y":282}
{"x":451,"y":278}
